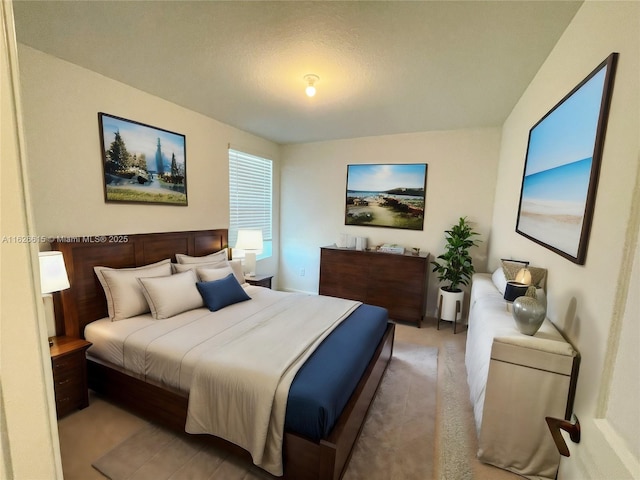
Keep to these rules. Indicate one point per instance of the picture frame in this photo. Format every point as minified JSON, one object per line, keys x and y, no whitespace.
{"x":386,"y":195}
{"x":562,"y":166}
{"x":142,"y":163}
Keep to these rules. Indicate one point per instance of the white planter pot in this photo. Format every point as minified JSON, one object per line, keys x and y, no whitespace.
{"x":449,"y":311}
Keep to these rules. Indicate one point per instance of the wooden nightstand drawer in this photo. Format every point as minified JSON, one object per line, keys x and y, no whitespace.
{"x":69,"y":366}
{"x":70,"y":395}
{"x":71,"y":378}
{"x":67,"y":403}
{"x":259,"y":280}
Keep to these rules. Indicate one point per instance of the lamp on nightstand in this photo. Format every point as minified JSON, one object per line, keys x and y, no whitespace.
{"x":251,"y":242}
{"x":53,"y":278}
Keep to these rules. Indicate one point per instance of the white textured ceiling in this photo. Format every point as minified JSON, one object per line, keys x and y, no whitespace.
{"x":384,"y":67}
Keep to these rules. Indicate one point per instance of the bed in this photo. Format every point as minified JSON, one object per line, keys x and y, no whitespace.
{"x":308,"y":451}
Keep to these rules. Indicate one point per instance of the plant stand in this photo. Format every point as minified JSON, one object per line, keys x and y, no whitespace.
{"x":451,"y":310}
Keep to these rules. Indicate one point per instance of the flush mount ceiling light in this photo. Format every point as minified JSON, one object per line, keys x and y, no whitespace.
{"x":311,"y":81}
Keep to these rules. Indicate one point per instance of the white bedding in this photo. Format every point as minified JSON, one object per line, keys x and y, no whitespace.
{"x":212,"y":354}
{"x":167,"y":350}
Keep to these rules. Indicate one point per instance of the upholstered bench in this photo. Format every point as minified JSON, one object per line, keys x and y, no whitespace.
{"x":515,"y":381}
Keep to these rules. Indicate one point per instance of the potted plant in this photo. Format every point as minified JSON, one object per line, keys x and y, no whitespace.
{"x":455,"y":268}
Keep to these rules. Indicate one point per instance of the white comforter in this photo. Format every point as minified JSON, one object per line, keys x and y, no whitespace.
{"x":237,"y":363}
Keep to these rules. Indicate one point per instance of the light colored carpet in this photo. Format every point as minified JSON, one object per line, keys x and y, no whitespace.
{"x":396,"y":442}
{"x":453,"y":457}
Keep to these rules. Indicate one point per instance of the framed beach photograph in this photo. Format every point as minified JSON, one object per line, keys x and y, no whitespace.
{"x":562,"y":165}
{"x":386,"y":195}
{"x":141,"y":163}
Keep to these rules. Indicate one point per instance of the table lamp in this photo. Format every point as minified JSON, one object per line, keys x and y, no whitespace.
{"x":53,"y":278}
{"x":250,"y":241}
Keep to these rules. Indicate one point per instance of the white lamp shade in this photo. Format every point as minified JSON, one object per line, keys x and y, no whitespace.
{"x":523,"y":276}
{"x":53,"y":274}
{"x":249,"y":240}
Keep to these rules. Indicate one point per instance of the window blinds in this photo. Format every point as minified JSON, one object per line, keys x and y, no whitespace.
{"x":250,"y":193}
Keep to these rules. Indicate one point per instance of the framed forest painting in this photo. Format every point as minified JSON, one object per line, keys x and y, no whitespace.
{"x":141,"y":163}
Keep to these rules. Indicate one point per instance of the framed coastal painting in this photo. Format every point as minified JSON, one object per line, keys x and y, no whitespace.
{"x":141,"y":163}
{"x":562,"y":165}
{"x":386,"y":195}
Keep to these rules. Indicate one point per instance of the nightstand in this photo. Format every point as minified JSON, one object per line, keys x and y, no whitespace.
{"x":259,"y":280}
{"x":69,"y":365}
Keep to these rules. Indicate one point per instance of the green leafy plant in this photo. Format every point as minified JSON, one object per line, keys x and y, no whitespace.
{"x":456,"y":265}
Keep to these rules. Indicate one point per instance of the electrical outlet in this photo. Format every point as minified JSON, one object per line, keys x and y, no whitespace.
{"x":302,"y":272}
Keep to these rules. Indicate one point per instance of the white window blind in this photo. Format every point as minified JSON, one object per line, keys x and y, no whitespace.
{"x":250,"y":194}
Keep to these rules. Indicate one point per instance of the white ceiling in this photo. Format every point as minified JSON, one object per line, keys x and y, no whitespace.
{"x":385,"y":67}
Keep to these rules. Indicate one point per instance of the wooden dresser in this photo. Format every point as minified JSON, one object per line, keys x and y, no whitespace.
{"x":395,"y":282}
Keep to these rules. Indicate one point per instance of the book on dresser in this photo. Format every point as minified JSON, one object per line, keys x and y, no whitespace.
{"x":397,"y":282}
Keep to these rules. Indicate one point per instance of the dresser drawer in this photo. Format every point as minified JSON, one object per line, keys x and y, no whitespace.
{"x":396,"y":282}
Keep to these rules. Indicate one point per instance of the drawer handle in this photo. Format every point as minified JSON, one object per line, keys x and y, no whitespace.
{"x":62,"y":382}
{"x":61,"y":364}
{"x":65,"y":399}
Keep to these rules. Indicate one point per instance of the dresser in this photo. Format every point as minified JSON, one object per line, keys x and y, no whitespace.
{"x":395,"y":282}
{"x":69,"y":365}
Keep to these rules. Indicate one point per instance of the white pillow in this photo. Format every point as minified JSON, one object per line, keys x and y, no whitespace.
{"x":169,"y":296}
{"x":211,"y":274}
{"x":236,"y":266}
{"x":499,"y":280}
{"x":184,"y":267}
{"x":122,"y":290}
{"x":208,"y":273}
{"x":218,"y":257}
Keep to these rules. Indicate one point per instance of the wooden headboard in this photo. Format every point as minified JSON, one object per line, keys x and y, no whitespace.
{"x":84,"y":302}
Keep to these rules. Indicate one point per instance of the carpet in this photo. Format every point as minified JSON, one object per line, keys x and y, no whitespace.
{"x":396,"y":443}
{"x":454,"y":445}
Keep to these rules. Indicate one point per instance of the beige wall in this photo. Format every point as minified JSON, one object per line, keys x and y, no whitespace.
{"x":61,"y":105}
{"x":587,"y":301}
{"x":28,"y":430}
{"x":62,"y":102}
{"x":460,"y":182}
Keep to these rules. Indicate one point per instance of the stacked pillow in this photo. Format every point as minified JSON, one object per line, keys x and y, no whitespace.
{"x":124,"y":295}
{"x":222,"y":292}
{"x":167,"y":289}
{"x":171,"y":295}
{"x":209,"y":262}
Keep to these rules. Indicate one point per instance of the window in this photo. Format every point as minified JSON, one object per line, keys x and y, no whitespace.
{"x":250,"y":193}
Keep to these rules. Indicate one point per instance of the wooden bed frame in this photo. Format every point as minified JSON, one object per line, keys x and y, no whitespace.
{"x":85,"y":302}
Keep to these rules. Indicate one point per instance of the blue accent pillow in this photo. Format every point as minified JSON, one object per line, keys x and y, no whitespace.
{"x":221,"y":293}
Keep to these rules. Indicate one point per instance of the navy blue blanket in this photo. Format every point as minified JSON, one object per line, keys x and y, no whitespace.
{"x":324,"y":384}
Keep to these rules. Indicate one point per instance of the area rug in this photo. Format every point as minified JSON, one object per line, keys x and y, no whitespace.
{"x":396,"y":443}
{"x":454,"y":431}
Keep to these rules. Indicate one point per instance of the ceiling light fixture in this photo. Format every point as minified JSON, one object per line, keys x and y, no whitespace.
{"x":311,"y":81}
